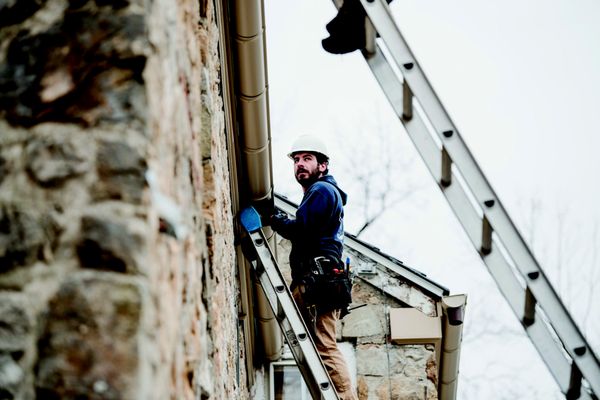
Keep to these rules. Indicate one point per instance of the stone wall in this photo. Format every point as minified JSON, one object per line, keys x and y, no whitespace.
{"x":117,"y":268}
{"x":386,"y":370}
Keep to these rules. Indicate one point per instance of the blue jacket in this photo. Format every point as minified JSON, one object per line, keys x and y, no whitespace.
{"x":318,"y":229}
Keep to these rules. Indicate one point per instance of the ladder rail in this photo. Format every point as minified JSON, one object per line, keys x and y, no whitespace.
{"x":476,"y":205}
{"x":289,"y":317}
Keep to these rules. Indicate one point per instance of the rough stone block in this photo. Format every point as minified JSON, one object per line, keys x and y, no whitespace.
{"x":116,"y":4}
{"x":26,"y":235}
{"x":108,"y":245}
{"x":86,"y":68}
{"x":398,"y":359}
{"x":119,"y":158}
{"x":16,"y":11}
{"x":371,"y":360}
{"x":50,"y":162}
{"x":121,"y":170}
{"x":363,"y":292}
{"x":89,"y":343}
{"x":416,"y":352}
{"x":11,"y":378}
{"x":411,"y":360}
{"x":15,"y":322}
{"x":365,"y":321}
{"x":432,"y":368}
{"x":362,"y":388}
{"x":373,"y":387}
{"x":16,"y":342}
{"x":409,"y":388}
{"x":3,"y":169}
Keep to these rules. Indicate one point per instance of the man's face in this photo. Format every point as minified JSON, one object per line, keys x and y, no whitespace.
{"x":306,"y":168}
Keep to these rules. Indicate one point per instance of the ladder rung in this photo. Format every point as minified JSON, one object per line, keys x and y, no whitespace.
{"x":486,"y":236}
{"x":446,"y":178}
{"x":529,"y":309}
{"x":574,"y":391}
{"x":407,"y":106}
{"x":370,"y":35}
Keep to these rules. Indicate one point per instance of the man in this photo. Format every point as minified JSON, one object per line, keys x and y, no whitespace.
{"x":320,"y":282}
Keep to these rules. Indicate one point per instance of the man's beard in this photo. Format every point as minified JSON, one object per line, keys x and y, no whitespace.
{"x":312,"y":177}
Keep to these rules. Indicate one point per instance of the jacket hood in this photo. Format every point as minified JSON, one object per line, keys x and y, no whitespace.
{"x":330,"y":179}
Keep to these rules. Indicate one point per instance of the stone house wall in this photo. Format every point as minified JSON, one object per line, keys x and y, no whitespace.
{"x":117,"y":263}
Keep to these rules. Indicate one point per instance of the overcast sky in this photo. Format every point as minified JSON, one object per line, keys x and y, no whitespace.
{"x":521,"y":82}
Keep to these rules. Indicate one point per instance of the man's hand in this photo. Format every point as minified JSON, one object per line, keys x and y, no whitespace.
{"x":276,"y":220}
{"x":267,"y":219}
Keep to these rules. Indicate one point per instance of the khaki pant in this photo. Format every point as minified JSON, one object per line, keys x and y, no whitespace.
{"x":322,"y":330}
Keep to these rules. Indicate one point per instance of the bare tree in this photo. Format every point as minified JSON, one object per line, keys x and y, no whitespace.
{"x":593,"y":279}
{"x":567,"y":250}
{"x":379,"y":171}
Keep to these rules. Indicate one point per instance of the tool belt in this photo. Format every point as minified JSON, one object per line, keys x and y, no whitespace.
{"x":326,"y":284}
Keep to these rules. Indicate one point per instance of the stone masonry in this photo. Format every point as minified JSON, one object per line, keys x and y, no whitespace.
{"x":117,"y":263}
{"x":385,"y":370}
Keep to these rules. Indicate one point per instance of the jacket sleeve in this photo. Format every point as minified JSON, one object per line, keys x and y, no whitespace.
{"x":314,"y":210}
{"x":284,"y":226}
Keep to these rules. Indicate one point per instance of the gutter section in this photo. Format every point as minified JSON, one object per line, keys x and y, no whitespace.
{"x":254,"y":142}
{"x":245,"y":309}
{"x":453,"y":310}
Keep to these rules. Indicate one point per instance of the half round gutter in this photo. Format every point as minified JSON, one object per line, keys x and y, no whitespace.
{"x":254,"y":141}
{"x":453,"y":309}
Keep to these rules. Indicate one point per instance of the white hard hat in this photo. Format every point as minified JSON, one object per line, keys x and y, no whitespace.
{"x":309,"y":144}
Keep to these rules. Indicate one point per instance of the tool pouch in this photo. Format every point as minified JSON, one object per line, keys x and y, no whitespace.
{"x":326,"y":289}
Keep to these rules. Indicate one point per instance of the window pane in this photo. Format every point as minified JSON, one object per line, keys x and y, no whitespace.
{"x":288,"y":383}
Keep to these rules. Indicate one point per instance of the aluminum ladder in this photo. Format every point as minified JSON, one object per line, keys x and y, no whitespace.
{"x":506,"y":255}
{"x":258,"y":252}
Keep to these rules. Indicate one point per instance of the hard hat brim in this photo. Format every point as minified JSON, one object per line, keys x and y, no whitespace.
{"x":291,"y":155}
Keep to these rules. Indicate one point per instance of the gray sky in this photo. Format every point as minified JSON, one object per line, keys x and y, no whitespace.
{"x":520,"y":81}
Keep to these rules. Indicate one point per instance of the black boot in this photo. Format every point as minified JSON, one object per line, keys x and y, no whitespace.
{"x":342,"y":44}
{"x":347,"y":29}
{"x":347,"y":12}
